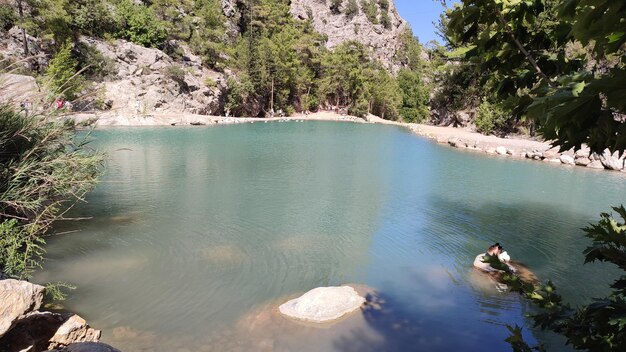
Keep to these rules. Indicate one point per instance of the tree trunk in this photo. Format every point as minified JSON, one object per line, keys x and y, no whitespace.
{"x":20,"y":10}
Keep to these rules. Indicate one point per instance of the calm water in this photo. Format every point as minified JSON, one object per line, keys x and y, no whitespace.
{"x":199,"y":233}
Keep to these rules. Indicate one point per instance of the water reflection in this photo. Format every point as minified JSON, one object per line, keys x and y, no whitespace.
{"x":197,"y":235}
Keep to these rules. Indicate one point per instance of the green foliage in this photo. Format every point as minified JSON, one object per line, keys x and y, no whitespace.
{"x":279,"y":56}
{"x":385,"y":20}
{"x":384,"y":5}
{"x":202,"y":26}
{"x":415,"y":96}
{"x":410,"y":50}
{"x":20,"y":249}
{"x":44,"y":170}
{"x":7,"y":18}
{"x":490,"y":117}
{"x":522,"y":46}
{"x":370,"y":9}
{"x":335,"y":6}
{"x":89,"y":17}
{"x":56,"y":291}
{"x":600,"y":325}
{"x":239,"y":93}
{"x":138,"y":24}
{"x":176,"y":73}
{"x":95,"y":66}
{"x":61,"y":76}
{"x":352,"y":8}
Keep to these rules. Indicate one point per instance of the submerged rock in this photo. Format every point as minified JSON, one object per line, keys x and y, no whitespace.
{"x":17,"y":299}
{"x":323,"y":304}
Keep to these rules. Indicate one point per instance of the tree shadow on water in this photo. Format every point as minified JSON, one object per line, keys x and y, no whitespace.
{"x":392,"y":327}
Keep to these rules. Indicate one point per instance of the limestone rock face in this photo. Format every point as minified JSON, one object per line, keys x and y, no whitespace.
{"x":148,"y":81}
{"x":323,"y":304}
{"x":17,"y":299}
{"x":18,"y":88}
{"x":340,"y":28}
{"x":12,"y":48}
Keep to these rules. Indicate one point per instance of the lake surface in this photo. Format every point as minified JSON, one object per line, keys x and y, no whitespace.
{"x":198,"y":234}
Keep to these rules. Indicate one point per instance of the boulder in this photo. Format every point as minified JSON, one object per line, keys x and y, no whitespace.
{"x":612,"y":161}
{"x":74,"y":329}
{"x":19,"y":88}
{"x":17,"y":299}
{"x":323,"y":304}
{"x":551,"y":154}
{"x":535,"y":154}
{"x":595,"y":164}
{"x":501,"y":150}
{"x":567,"y":159}
{"x":582,"y":161}
{"x":40,"y":331}
{"x":87,"y":347}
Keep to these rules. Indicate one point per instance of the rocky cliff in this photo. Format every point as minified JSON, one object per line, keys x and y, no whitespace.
{"x":341,"y":24}
{"x":374,"y":23}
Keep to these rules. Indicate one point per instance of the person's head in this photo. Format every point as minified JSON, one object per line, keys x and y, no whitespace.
{"x":494,"y":249}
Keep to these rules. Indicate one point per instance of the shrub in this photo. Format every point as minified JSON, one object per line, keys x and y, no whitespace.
{"x":352,"y":8}
{"x":138,"y":24}
{"x":385,"y":20}
{"x":96,"y":66}
{"x":490,"y":117}
{"x":370,"y":9}
{"x":384,"y":5}
{"x":61,"y":76}
{"x":44,"y":171}
{"x":7,"y":18}
{"x":177,"y":74}
{"x":91,"y":17}
{"x":335,"y":6}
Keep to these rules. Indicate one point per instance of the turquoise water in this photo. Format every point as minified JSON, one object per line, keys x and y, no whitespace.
{"x":197,"y":234}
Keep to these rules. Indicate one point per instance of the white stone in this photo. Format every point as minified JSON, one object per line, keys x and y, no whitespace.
{"x":566,"y":159}
{"x":323,"y":304}
{"x":501,"y":150}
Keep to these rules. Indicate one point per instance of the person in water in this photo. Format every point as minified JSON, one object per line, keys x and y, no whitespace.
{"x":495,"y":250}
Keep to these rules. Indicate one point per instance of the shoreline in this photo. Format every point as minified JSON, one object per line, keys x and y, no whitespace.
{"x":460,"y":138}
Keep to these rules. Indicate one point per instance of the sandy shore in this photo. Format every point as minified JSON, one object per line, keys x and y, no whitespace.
{"x":456,"y":137}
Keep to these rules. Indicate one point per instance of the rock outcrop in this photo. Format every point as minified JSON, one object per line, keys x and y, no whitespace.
{"x":24,"y":328}
{"x":148,"y":81}
{"x":323,"y":304}
{"x":12,"y":50}
{"x":17,"y":299}
{"x":18,"y":88}
{"x":340,"y":27}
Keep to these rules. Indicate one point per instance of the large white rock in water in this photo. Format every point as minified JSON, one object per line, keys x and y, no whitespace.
{"x":323,"y":304}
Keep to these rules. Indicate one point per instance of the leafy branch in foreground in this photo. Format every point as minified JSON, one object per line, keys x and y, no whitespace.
{"x":44,"y":170}
{"x":598,"y":326}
